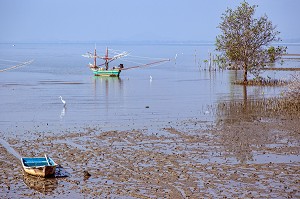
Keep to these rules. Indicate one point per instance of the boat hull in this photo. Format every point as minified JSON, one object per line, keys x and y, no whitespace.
{"x":107,"y":73}
{"x":39,"y":166}
{"x":44,"y":171}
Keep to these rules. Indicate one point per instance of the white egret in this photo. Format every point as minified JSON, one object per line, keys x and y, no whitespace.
{"x":150,"y":78}
{"x":63,"y":101}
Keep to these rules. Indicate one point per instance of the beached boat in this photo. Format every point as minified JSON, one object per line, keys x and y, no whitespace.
{"x":39,"y":166}
{"x":104,"y":69}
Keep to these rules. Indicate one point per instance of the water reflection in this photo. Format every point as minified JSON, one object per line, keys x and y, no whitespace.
{"x":42,"y":185}
{"x":241,"y":129}
{"x":63,"y":112}
{"x":109,"y":88}
{"x":105,"y":83}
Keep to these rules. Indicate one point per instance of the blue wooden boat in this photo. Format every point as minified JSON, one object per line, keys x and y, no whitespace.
{"x":39,"y":166}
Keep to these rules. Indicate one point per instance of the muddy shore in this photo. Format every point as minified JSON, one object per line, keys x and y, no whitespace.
{"x":247,"y":158}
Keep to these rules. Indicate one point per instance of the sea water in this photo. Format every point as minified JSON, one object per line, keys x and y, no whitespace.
{"x":179,"y":89}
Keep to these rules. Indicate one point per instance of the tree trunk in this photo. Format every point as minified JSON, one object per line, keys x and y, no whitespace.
{"x":245,"y":105}
{"x":245,"y":73}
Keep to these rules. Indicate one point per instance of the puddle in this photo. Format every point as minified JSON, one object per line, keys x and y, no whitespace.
{"x":274,"y":158}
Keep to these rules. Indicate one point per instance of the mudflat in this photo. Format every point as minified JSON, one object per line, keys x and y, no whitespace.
{"x":188,"y":159}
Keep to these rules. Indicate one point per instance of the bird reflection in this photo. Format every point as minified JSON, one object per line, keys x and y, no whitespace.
{"x":63,"y":112}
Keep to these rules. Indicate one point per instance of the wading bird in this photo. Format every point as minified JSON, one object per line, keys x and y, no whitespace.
{"x":63,"y":101}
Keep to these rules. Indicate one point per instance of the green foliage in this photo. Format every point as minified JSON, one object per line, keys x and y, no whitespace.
{"x":221,"y":61}
{"x":244,"y":39}
{"x":271,"y":53}
{"x":275,"y":53}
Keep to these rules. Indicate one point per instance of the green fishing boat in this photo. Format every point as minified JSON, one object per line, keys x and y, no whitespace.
{"x":104,"y":69}
{"x":106,"y":73}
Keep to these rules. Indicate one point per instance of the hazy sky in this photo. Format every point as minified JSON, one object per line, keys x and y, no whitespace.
{"x":98,"y":20}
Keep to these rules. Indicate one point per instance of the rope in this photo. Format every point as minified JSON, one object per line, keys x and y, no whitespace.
{"x":141,"y":57}
{"x":145,"y":57}
{"x":135,"y":62}
{"x":17,"y":66}
{"x":146,"y":64}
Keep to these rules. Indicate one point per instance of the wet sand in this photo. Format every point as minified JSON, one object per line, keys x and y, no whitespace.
{"x":255,"y":158}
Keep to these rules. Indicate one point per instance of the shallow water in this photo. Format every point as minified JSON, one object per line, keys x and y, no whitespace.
{"x":179,"y":89}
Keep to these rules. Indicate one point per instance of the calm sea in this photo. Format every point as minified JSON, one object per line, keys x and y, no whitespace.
{"x":180,"y":89}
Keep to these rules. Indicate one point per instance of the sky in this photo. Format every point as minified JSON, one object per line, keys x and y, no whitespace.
{"x":132,"y":20}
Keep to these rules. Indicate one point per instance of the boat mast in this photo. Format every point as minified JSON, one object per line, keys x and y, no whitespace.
{"x":106,"y":59}
{"x":95,"y":58}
